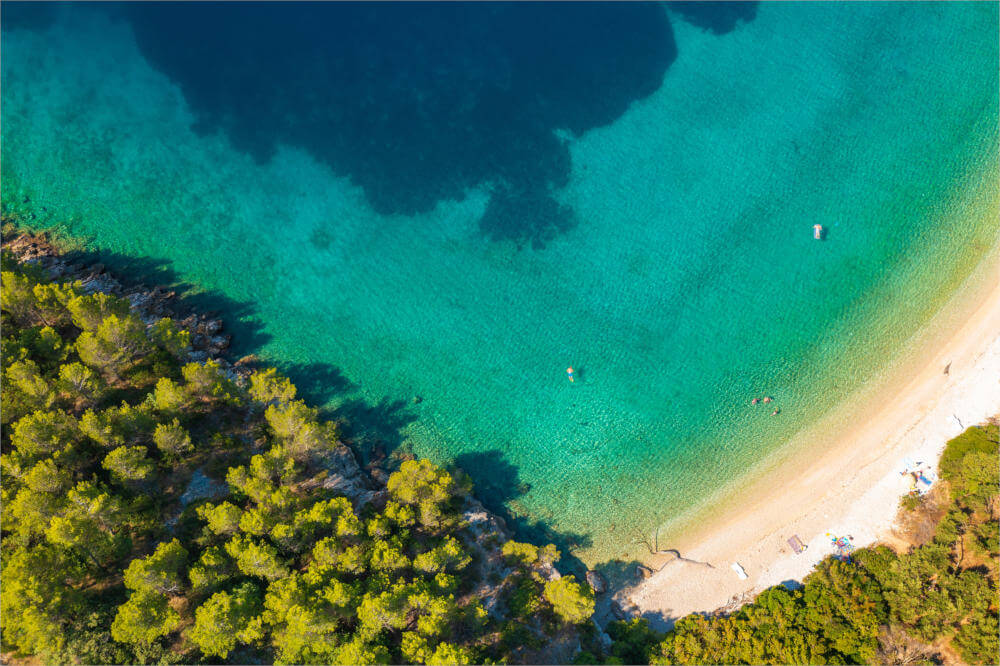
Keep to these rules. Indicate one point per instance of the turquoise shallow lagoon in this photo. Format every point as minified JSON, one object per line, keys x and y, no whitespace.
{"x":679,"y":277}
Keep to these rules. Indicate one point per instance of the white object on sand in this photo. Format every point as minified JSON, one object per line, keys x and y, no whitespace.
{"x":740,"y":572}
{"x":915,"y":420}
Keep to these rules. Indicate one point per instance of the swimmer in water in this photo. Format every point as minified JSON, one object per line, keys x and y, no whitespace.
{"x":775,"y":412}
{"x":767,"y":399}
{"x":755,"y":401}
{"x":569,"y":374}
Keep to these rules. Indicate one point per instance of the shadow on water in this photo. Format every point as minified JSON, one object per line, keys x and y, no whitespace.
{"x":28,"y":15}
{"x":498,"y":485}
{"x":317,"y":383}
{"x":240,"y":317}
{"x":368,"y":426}
{"x":717,"y":17}
{"x":375,"y":430}
{"x":416,"y":102}
{"x":621,"y":573}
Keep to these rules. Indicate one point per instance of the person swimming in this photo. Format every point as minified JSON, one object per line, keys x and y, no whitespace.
{"x":755,"y":401}
{"x":767,"y":399}
{"x":569,"y":374}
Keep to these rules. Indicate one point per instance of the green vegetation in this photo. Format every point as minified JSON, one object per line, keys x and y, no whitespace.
{"x":104,"y":425}
{"x":936,"y":601}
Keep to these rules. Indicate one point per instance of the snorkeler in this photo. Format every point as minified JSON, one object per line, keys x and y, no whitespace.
{"x":569,"y":374}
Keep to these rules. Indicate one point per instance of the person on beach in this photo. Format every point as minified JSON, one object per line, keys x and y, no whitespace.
{"x":569,"y":374}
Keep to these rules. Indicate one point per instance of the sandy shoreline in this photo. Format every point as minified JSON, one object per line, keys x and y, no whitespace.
{"x":847,"y":485}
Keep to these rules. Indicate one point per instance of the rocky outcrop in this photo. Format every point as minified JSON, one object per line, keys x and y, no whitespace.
{"x":202,"y":487}
{"x":484,"y":536}
{"x":597,"y":582}
{"x":338,"y":470}
{"x":208,"y":341}
{"x":345,"y":477}
{"x":624,"y":609}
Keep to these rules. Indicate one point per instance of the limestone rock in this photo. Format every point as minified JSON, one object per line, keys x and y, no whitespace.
{"x":344,"y":476}
{"x":603,"y":637}
{"x":248,"y":360}
{"x":597,"y":582}
{"x":200,"y":487}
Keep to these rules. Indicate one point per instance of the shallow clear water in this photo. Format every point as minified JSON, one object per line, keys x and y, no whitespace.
{"x":453,"y":221}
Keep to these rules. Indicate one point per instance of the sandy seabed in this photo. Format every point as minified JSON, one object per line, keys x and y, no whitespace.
{"x":850,"y":484}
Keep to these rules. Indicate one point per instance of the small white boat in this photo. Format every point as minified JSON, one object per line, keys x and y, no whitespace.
{"x":740,"y":571}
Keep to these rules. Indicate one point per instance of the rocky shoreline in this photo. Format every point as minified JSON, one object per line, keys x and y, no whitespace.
{"x":485,"y":533}
{"x":208,"y":340}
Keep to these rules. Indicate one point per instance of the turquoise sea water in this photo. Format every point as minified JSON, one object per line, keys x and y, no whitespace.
{"x":660,"y":243}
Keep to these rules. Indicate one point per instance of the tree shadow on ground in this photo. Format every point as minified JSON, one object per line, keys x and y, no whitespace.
{"x":621,"y":573}
{"x":624,"y":574}
{"x":416,"y":102}
{"x":497,"y":485}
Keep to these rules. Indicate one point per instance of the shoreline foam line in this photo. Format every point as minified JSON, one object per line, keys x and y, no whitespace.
{"x":854,"y":486}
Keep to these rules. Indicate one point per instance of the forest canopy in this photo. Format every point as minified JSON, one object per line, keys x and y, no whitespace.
{"x":934,"y":603}
{"x":107,"y":558}
{"x":163,"y":509}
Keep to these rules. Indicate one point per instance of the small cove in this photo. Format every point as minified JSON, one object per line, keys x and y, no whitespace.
{"x":687,"y":282}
